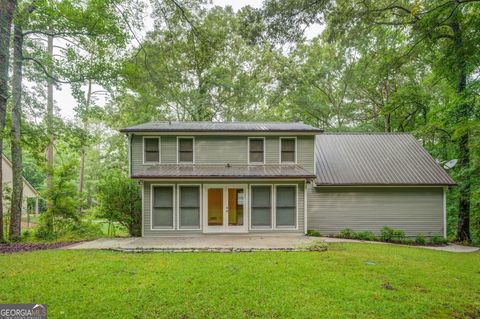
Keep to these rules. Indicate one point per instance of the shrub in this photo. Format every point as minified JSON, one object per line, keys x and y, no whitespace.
{"x":438,"y":240}
{"x":318,"y":245}
{"x":390,"y":234}
{"x":420,"y":240}
{"x":313,"y":233}
{"x":365,"y":235}
{"x":346,"y":233}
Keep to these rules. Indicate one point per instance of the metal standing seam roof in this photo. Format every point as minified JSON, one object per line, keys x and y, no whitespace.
{"x":375,"y":159}
{"x":223,"y":171}
{"x":222,"y":127}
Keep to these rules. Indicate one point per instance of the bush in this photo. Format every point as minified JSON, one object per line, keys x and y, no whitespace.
{"x":318,"y":245}
{"x":420,"y":240}
{"x":346,"y":233}
{"x":390,"y":234}
{"x":313,"y":233}
{"x":438,"y":240}
{"x":365,"y":235}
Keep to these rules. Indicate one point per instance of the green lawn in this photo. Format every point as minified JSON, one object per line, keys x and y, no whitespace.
{"x":348,"y":281}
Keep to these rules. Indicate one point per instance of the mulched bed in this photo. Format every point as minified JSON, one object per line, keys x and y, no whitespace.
{"x":18,"y":247}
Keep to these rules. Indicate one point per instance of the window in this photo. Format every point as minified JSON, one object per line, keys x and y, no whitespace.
{"x":286,"y":206}
{"x":261,"y":210}
{"x":162,"y":207}
{"x":151,"y":147}
{"x":189,"y":203}
{"x":256,"y":150}
{"x":287,"y":150}
{"x":185,"y":150}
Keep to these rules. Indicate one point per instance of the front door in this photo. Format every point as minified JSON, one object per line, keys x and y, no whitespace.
{"x":225,"y":208}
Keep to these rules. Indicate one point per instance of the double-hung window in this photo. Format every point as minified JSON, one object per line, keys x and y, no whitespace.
{"x":162,"y":206}
{"x":151,"y":150}
{"x":189,"y":207}
{"x":287,"y":150}
{"x":256,"y":150}
{"x":185,"y":149}
{"x":261,"y":206}
{"x":286,"y":206}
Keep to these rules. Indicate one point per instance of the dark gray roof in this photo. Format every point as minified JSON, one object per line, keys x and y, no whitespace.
{"x":223,"y":171}
{"x":375,"y":159}
{"x":222,"y":127}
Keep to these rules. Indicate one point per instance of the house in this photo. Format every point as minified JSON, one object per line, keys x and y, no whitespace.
{"x":234,"y":177}
{"x":28,"y":190}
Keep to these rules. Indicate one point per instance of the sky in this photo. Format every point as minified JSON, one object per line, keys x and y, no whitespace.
{"x":65,"y":102}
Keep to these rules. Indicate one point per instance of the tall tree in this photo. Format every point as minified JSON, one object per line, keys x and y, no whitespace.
{"x":7,"y":8}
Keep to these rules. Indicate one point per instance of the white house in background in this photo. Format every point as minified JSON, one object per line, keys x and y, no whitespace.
{"x":28,"y":190}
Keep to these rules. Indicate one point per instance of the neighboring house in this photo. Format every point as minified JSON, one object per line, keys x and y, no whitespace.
{"x":204,"y":177}
{"x":28,"y":190}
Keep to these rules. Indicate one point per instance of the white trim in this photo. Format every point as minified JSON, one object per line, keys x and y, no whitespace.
{"x":296,"y":209}
{"x":305,"y":210}
{"x":129,"y":154}
{"x":280,"y":149}
{"x":199,"y":208}
{"x":379,"y":186}
{"x":219,"y":180}
{"x":225,"y":228}
{"x":445,"y":212}
{"x":271,"y":208}
{"x":173,"y":208}
{"x":159,"y":149}
{"x":178,"y":149}
{"x":248,"y":150}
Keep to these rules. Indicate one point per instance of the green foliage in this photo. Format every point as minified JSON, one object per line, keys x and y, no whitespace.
{"x":318,"y":245}
{"x":346,"y":233}
{"x":438,"y":240}
{"x":313,"y":233}
{"x":365,"y":235}
{"x":389,"y":234}
{"x":420,"y":239}
{"x":119,"y":200}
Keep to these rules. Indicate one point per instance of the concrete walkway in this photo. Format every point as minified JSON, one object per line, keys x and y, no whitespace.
{"x":287,"y":242}
{"x":200,"y":243}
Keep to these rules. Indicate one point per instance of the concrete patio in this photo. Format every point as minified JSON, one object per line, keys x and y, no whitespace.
{"x":284,"y":242}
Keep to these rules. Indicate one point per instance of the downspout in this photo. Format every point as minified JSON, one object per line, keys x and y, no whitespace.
{"x":129,"y":139}
{"x":305,"y":211}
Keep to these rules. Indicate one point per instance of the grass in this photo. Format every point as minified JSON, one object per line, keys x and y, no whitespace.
{"x":347,"y":281}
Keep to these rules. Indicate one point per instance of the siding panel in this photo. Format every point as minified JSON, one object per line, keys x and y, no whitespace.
{"x":415,"y":210}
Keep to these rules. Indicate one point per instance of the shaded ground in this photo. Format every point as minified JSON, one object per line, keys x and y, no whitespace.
{"x":18,"y":247}
{"x":350,"y":280}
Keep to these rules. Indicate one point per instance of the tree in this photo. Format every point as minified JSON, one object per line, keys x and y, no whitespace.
{"x":7,"y":8}
{"x":120,"y":200}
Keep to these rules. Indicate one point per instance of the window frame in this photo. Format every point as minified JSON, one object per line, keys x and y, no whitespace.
{"x":152,"y":227}
{"x":272,"y":204}
{"x":295,"y":227}
{"x":294,"y":138}
{"x":159,"y":149}
{"x":178,"y":149}
{"x":248,"y":150}
{"x":200,"y":207}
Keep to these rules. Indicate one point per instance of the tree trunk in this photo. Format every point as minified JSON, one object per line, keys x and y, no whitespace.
{"x":49,"y":222}
{"x":17,"y":182}
{"x":82,"y":154}
{"x":463,"y":110}
{"x":7,"y":7}
{"x":386,"y":123}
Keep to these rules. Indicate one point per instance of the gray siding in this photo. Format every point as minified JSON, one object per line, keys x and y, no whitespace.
{"x":415,"y":210}
{"x":223,"y":150}
{"x":148,"y":232}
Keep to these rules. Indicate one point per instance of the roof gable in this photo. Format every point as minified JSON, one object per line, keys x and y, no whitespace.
{"x":375,"y":159}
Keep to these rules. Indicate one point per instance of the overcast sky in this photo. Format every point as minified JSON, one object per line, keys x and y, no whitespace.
{"x":66,"y":103}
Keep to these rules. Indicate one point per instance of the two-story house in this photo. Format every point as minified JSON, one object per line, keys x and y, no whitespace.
{"x":205,"y":177}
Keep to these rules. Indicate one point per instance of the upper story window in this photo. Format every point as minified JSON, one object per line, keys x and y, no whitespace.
{"x":151,"y":150}
{"x":185,"y":149}
{"x":287,"y":150}
{"x":256,"y":151}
